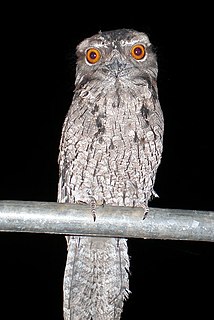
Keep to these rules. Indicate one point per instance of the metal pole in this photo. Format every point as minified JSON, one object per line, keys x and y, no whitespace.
{"x":126,"y":222}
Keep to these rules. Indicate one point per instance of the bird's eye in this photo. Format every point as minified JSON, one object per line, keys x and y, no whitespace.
{"x":138,"y":51}
{"x":93,"y":55}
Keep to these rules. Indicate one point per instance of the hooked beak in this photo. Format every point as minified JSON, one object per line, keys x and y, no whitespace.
{"x":115,"y":67}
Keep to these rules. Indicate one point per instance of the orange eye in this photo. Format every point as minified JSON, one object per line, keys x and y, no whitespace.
{"x":93,"y":55}
{"x":138,"y":51}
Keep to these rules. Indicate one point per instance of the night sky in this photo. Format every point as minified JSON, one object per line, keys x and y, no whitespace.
{"x":38,"y":68}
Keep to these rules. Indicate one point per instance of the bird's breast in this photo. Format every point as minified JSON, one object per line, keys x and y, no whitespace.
{"x":112,"y":148}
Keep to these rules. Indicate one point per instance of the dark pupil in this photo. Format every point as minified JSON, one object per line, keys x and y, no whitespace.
{"x":138,"y":51}
{"x":93,"y":55}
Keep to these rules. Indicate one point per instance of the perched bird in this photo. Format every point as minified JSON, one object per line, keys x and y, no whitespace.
{"x":110,"y":150}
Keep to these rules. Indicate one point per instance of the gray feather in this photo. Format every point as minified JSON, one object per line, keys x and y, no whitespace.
{"x":110,"y":150}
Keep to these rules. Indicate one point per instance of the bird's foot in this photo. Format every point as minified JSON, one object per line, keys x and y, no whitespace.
{"x":93,"y":207}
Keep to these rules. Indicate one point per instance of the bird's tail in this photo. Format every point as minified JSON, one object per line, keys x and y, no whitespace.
{"x":96,"y":280}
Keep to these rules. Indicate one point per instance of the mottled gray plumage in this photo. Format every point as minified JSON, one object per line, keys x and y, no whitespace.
{"x":110,"y":150}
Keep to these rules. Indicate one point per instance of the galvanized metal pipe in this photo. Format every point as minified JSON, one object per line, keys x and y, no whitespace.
{"x":126,"y":222}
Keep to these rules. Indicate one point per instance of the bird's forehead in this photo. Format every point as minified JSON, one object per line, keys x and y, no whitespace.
{"x":124,"y":36}
{"x":115,"y":39}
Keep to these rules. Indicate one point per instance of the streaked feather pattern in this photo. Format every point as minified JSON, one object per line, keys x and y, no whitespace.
{"x":110,"y":150}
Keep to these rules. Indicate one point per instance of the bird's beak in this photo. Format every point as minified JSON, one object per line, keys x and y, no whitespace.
{"x":115,"y":66}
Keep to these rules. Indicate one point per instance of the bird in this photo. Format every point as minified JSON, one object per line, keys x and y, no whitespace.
{"x":109,"y":152}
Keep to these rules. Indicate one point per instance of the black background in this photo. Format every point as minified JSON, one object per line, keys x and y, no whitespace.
{"x":38,"y":65}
